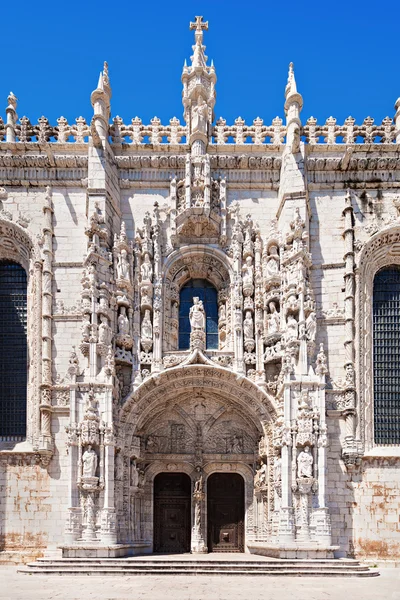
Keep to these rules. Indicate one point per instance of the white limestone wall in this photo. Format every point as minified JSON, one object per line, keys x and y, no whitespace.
{"x":135,"y":204}
{"x":33,"y":499}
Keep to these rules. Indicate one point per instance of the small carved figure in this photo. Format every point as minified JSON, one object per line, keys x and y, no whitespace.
{"x":277,"y":469}
{"x":248,"y":328}
{"x":146,"y":268}
{"x":197,"y":316}
{"x":89,"y":462}
{"x":305,"y":463}
{"x":134,"y":475}
{"x":292,"y":327}
{"x":273,"y":319}
{"x":147,"y":328}
{"x":123,"y":266}
{"x":261,"y":475}
{"x":311,"y":327}
{"x":104,"y":331}
{"x":85,"y":328}
{"x":123,"y":323}
{"x":198,"y":485}
{"x":222,"y":313}
{"x":247,"y":272}
{"x":236,"y":445}
{"x":200,"y":116}
{"x":272,"y":267}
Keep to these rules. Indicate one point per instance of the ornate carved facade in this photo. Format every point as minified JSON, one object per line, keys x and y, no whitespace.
{"x":282,"y":228}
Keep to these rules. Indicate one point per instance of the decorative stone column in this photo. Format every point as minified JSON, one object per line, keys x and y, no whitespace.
{"x":198,"y":544}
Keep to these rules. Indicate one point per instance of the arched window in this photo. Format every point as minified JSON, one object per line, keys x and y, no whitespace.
{"x":208,"y":294}
{"x":13,"y":350}
{"x":386,"y":336}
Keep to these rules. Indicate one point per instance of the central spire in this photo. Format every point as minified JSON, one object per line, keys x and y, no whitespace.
{"x":199,"y":59}
{"x":198,"y":94}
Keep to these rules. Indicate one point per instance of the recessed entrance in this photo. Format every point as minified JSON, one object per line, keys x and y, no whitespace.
{"x":225,"y":508}
{"x":172,"y":512}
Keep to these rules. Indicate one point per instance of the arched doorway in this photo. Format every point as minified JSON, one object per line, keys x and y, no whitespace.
{"x":172,"y":526}
{"x":225,"y":512}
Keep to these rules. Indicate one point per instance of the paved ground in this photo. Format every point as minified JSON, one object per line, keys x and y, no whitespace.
{"x":16,"y":586}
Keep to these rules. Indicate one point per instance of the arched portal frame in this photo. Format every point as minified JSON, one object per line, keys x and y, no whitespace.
{"x":381,"y":251}
{"x":192,"y":262}
{"x":17,"y":245}
{"x":161,"y":391}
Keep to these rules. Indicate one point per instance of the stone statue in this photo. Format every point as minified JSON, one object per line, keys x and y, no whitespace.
{"x":134,"y":475}
{"x":311,"y":327}
{"x":222,"y":313}
{"x":123,"y":323}
{"x":247,"y":272}
{"x":200,"y":116}
{"x":197,"y":316}
{"x":104,"y":331}
{"x":292,"y":327}
{"x":89,"y":462}
{"x":198,"y":486}
{"x":248,"y":328}
{"x":305,"y":463}
{"x":123,"y":266}
{"x":272,"y":267}
{"x":236,"y":445}
{"x":273,"y":319}
{"x":146,"y":268}
{"x":261,"y":475}
{"x":85,"y":328}
{"x":277,"y":469}
{"x":174,"y":311}
{"x":146,"y":331}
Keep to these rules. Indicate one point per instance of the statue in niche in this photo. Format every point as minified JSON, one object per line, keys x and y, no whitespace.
{"x":85,"y":328}
{"x":89,"y":462}
{"x":134,"y":475}
{"x":222,"y":313}
{"x":247,"y":272}
{"x":104,"y":331}
{"x":198,"y":485}
{"x":174,"y":311}
{"x":200,"y":116}
{"x":248,"y":328}
{"x":145,"y":293}
{"x":273,"y":262}
{"x":311,"y":327}
{"x":261,"y":475}
{"x":277,"y":469}
{"x":292,"y":327}
{"x":273,"y":318}
{"x":123,"y":266}
{"x":146,"y":268}
{"x":305,"y":463}
{"x":123,"y":322}
{"x":146,"y":331}
{"x":236,"y":446}
{"x":91,"y":276}
{"x":197,"y":316}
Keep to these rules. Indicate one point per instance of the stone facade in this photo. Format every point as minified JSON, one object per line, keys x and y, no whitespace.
{"x":289,"y":222}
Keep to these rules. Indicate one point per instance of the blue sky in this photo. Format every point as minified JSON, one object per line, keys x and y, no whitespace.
{"x":346,"y":56}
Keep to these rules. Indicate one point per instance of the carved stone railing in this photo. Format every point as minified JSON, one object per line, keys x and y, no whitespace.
{"x":258,"y":133}
{"x":42,"y":132}
{"x":155,"y":133}
{"x":349,"y":132}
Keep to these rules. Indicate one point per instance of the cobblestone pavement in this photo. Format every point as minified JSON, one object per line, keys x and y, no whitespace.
{"x":16,"y":586}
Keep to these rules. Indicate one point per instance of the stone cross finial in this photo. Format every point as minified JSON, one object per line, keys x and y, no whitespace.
{"x":199,"y":24}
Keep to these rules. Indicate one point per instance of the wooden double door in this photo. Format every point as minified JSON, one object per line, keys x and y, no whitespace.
{"x":225,"y":511}
{"x":172,"y":513}
{"x":172,"y":503}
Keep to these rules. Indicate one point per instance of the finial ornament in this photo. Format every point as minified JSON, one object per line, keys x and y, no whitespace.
{"x":199,"y":24}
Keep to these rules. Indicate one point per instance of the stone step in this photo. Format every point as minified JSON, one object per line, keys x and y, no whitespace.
{"x":293,"y":572}
{"x":158,"y":566}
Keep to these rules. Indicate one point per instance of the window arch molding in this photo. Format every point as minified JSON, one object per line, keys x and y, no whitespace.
{"x":380,"y":252}
{"x":192,"y":262}
{"x":17,"y":245}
